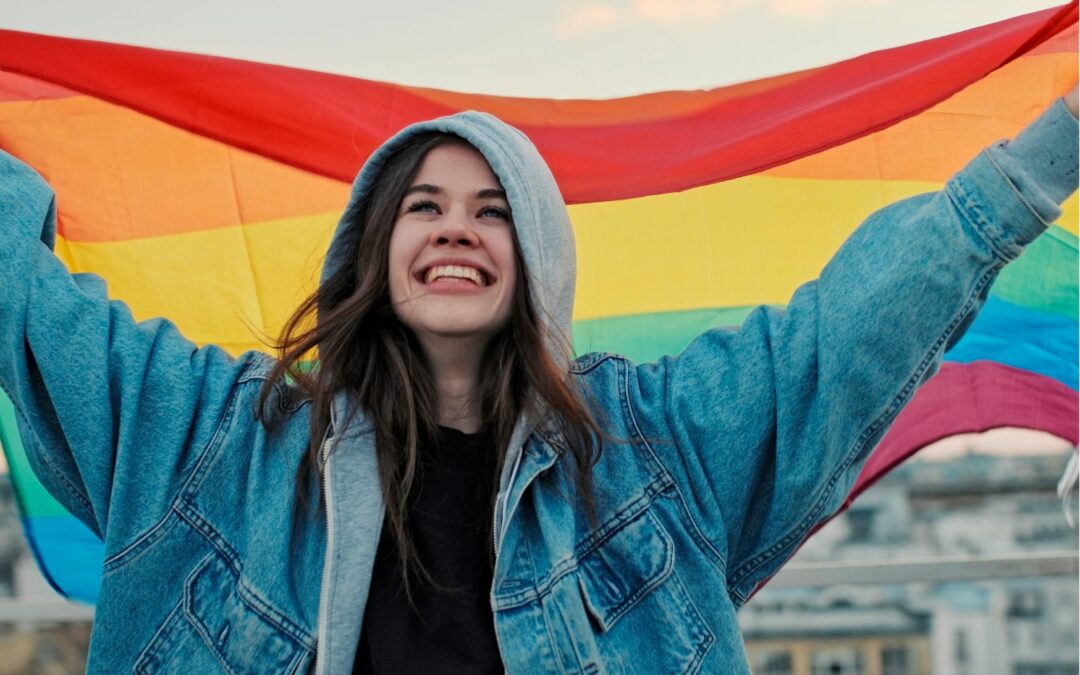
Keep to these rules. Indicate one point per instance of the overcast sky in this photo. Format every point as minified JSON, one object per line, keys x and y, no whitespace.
{"x":553,"y":48}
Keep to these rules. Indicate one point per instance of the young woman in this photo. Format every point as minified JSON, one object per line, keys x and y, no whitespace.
{"x":447,"y":489}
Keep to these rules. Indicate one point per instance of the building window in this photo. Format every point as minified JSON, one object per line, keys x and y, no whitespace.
{"x":773,"y":662}
{"x":1025,"y":603}
{"x":837,"y":662}
{"x":860,"y":523}
{"x":961,"y":647}
{"x":896,"y":660}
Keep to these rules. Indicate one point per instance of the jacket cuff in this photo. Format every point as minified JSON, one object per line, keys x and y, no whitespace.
{"x":1043,"y":157}
{"x":1041,"y":161}
{"x":1012,"y":190}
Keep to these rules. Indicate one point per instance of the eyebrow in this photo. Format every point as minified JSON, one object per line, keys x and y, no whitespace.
{"x":428,"y":188}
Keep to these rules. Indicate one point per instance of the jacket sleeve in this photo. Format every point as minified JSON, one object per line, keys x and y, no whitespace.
{"x":112,"y":413}
{"x":766,"y":427}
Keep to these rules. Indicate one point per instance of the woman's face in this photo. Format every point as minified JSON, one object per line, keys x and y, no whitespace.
{"x":452,"y":266}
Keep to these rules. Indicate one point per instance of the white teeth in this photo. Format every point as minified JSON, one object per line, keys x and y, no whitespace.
{"x":455,"y":271}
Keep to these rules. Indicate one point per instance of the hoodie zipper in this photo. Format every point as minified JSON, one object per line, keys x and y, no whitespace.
{"x":324,"y":593}
{"x":500,"y":507}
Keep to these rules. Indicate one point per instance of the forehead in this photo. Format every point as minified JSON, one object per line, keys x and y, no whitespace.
{"x":456,"y":166}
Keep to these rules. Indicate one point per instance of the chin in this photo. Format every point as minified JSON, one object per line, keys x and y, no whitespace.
{"x":447,"y":327}
{"x":453,"y":324}
{"x":457,"y":331}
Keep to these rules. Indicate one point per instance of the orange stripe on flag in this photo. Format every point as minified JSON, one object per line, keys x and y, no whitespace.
{"x":930,"y":146}
{"x":121,"y":175}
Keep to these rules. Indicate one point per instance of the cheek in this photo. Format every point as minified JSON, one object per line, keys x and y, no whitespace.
{"x":397,"y":265}
{"x":505,"y":254}
{"x":511,"y":276}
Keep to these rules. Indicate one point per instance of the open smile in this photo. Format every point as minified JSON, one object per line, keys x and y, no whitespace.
{"x":454,"y":274}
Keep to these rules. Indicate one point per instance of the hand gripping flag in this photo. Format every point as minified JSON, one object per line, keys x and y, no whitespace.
{"x":205,"y":190}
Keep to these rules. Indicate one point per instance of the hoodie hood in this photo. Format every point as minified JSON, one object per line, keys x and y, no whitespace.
{"x":541,"y":221}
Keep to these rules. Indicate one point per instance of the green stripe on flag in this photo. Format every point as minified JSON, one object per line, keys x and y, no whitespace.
{"x":647,"y":337}
{"x":34,"y":501}
{"x":1044,"y":277}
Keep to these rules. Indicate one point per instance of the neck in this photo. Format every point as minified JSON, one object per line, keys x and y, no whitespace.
{"x":455,"y":367}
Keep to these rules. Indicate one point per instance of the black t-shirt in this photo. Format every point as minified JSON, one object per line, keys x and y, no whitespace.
{"x":450,"y":515}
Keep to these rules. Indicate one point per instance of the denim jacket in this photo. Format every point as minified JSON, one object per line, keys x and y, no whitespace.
{"x":718,"y":461}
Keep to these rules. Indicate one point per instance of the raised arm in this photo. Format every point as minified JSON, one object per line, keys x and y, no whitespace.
{"x":771,"y":423}
{"x":111,"y":412}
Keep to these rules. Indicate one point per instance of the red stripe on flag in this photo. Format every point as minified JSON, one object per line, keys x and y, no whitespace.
{"x":964,"y":398}
{"x":310,"y":120}
{"x":15,"y":87}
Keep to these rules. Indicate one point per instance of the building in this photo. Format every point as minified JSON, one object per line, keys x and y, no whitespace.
{"x":953,"y":515}
{"x":40,"y":632}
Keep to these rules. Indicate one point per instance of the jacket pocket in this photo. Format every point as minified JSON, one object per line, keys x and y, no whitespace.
{"x":222,"y":626}
{"x":619,"y":573}
{"x":644,"y":619}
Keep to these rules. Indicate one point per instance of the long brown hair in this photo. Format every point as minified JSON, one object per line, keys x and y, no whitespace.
{"x":366,"y":351}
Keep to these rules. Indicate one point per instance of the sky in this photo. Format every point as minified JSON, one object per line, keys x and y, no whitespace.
{"x":552,"y":48}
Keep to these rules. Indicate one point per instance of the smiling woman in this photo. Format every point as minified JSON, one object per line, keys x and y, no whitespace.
{"x":475,"y":497}
{"x":427,"y":328}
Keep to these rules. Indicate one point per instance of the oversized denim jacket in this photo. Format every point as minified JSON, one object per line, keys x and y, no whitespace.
{"x":718,"y":462}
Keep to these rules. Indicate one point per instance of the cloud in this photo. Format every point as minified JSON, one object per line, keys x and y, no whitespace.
{"x":587,"y":17}
{"x":679,"y":12}
{"x":578,"y":19}
{"x":816,"y":8}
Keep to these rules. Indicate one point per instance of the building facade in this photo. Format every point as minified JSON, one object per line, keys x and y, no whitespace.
{"x":951,"y":516}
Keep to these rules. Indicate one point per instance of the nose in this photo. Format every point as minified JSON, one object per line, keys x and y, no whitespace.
{"x":456,"y":231}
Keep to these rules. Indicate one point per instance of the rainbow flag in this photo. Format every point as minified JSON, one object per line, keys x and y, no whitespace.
{"x":206,"y":189}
